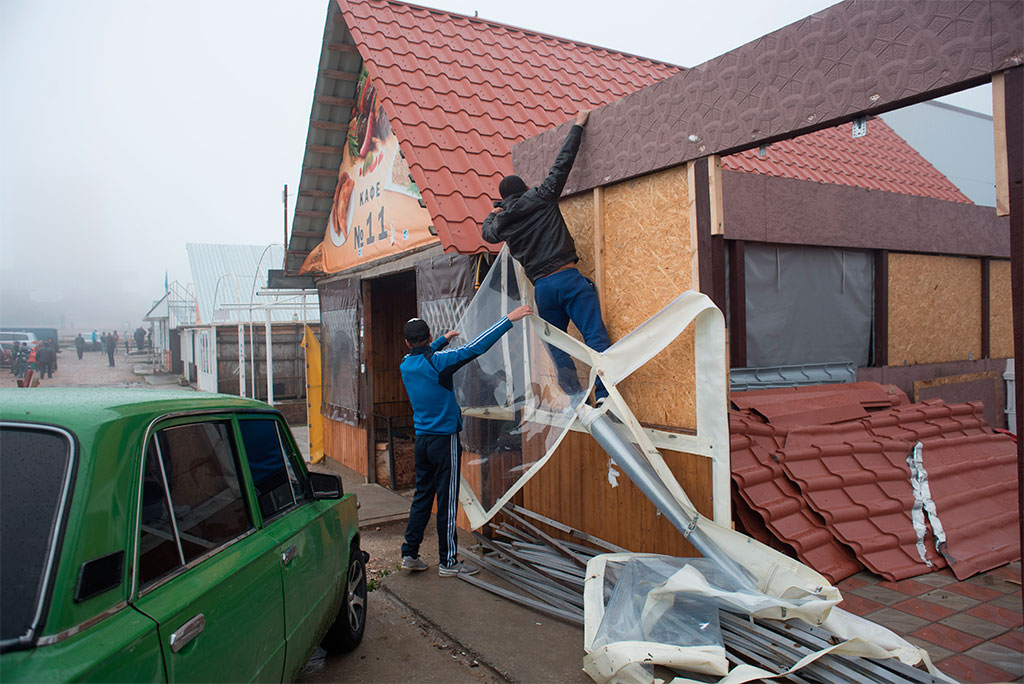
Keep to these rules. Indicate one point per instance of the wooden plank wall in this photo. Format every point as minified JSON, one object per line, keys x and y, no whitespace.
{"x":346,"y":444}
{"x":289,"y":360}
{"x":934,"y":309}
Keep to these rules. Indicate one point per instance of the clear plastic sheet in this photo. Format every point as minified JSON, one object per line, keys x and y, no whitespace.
{"x":515,"y":409}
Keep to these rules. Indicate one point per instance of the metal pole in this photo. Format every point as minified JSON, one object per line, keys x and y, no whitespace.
{"x":241,"y":360}
{"x":284,"y":198}
{"x":270,"y":362}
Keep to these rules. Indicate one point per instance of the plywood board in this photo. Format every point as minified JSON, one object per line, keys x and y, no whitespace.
{"x":578,"y":212}
{"x":934,"y":309}
{"x":345,"y":444}
{"x":648,"y":254}
{"x":1000,"y":310}
{"x":999,"y":139}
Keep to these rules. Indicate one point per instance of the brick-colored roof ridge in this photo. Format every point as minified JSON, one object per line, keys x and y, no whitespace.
{"x":461,"y":91}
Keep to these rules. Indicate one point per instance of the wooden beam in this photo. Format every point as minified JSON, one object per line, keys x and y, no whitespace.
{"x":691,"y":208}
{"x":325,"y":194}
{"x":308,"y":233}
{"x":309,"y":213}
{"x":313,"y":171}
{"x":339,"y":75}
{"x":881,"y":322}
{"x":999,"y":133}
{"x":324,"y":149}
{"x":986,"y":313}
{"x":335,"y":101}
{"x":737,"y":305}
{"x":343,"y":47}
{"x":366,"y":383}
{"x":330,"y":126}
{"x":702,"y":209}
{"x":599,"y":245}
{"x":715,"y":191}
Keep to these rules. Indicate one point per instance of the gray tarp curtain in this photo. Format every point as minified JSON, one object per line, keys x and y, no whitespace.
{"x":807,"y":305}
{"x":340,"y":316}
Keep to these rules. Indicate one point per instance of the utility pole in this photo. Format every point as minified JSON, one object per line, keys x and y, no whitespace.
{"x":284,"y":198}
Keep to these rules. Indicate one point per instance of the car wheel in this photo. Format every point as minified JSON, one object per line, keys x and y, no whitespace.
{"x":350,"y":623}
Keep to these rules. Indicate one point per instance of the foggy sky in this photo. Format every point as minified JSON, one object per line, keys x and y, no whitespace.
{"x":130,"y":127}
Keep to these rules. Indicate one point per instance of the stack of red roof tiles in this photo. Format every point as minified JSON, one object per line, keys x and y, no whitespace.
{"x":827,"y":472}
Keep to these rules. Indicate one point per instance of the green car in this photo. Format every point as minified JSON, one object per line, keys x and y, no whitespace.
{"x":152,"y":536}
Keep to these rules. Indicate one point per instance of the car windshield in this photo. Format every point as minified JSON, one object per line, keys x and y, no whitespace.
{"x":35,"y":463}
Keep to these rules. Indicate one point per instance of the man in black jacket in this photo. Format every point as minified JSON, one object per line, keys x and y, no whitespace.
{"x":529,"y":220}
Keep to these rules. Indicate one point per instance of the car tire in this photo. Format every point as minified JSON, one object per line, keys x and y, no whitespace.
{"x":350,"y":623}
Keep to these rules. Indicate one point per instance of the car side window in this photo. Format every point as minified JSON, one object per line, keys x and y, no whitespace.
{"x":274,"y":478}
{"x":191,"y":497}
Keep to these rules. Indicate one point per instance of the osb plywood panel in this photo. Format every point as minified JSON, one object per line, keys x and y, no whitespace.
{"x":934,"y":309}
{"x":578,"y":212}
{"x":648,"y":264}
{"x":1000,"y":310}
{"x":346,"y":444}
{"x":574,"y":488}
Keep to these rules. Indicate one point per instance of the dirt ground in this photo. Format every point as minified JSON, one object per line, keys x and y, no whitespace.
{"x":91,"y":371}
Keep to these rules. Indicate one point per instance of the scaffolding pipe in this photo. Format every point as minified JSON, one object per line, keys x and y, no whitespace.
{"x":270,"y":361}
{"x":628,"y":456}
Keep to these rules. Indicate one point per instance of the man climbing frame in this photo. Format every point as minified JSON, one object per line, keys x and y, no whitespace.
{"x":427,"y":373}
{"x":530,"y":222}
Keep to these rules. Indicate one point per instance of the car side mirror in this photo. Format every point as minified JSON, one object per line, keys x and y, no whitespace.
{"x":326,"y":486}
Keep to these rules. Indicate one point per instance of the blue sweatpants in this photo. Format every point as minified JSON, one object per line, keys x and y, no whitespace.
{"x":568,"y":296}
{"x":438,"y":464}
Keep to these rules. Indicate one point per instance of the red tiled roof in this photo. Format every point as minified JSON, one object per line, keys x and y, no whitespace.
{"x":461,"y":91}
{"x":880,"y":160}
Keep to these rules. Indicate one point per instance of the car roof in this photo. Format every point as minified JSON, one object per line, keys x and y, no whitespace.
{"x":86,"y":409}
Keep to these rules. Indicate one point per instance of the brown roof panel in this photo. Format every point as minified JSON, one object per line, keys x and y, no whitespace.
{"x":973,"y":481}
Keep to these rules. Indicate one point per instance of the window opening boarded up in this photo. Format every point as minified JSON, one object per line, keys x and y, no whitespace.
{"x":807,"y":305}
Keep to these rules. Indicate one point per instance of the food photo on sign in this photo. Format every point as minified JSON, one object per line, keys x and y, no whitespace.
{"x":376,"y":209}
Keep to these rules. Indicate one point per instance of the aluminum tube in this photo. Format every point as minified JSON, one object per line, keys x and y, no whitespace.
{"x":631,"y":459}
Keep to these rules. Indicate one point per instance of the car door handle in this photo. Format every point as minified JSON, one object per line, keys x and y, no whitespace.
{"x":187,"y":632}
{"x":289,"y":554}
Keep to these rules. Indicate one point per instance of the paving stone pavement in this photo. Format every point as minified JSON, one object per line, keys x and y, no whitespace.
{"x":972,"y":629}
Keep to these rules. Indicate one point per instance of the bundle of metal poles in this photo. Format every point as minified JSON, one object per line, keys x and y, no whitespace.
{"x":546,"y":574}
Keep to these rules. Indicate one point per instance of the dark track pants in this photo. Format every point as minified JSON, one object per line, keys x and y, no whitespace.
{"x":438,"y":459}
{"x":568,"y":296}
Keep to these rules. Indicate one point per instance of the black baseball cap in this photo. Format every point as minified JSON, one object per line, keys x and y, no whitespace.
{"x":416,"y":329}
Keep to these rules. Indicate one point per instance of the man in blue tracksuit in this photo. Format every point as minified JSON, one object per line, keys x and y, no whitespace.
{"x":427,"y":373}
{"x":530,"y":222}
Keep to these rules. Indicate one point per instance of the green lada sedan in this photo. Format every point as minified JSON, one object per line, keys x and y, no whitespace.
{"x":152,"y":536}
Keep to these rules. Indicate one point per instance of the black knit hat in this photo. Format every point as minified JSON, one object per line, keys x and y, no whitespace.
{"x":416,"y":329}
{"x":511,"y":185}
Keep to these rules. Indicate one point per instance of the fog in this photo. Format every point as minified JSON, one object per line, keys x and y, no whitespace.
{"x":130,"y":127}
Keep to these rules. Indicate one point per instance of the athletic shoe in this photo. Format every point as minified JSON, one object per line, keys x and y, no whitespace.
{"x":414,"y":564}
{"x":459,"y":568}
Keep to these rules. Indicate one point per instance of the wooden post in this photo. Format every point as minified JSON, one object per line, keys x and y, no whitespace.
{"x":691,"y":195}
{"x":881,"y":322}
{"x":737,"y":305}
{"x":715,"y":192}
{"x":366,"y":375}
{"x":999,"y":133}
{"x":599,"y":245}
{"x":702,"y":210}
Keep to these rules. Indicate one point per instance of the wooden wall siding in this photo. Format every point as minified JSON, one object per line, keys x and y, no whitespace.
{"x":346,"y":444}
{"x":289,"y":360}
{"x":393,"y":302}
{"x":574,"y":488}
{"x":1000,"y":310}
{"x":934,"y":309}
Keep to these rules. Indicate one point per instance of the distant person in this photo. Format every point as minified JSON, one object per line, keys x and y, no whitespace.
{"x":149,"y":339}
{"x":427,"y":373}
{"x":94,"y":339}
{"x":109,"y":345}
{"x":127,"y":344}
{"x":46,"y":358}
{"x":530,"y":222}
{"x":79,"y":345}
{"x":140,"y":338}
{"x":20,"y":359}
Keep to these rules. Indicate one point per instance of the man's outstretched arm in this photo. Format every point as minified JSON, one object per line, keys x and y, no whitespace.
{"x":552,"y":186}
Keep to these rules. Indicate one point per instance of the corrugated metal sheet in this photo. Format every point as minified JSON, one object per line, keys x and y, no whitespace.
{"x":233,"y":274}
{"x":460,"y":91}
{"x":881,"y":160}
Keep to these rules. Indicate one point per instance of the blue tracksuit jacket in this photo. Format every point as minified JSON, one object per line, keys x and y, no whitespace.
{"x":427,"y":373}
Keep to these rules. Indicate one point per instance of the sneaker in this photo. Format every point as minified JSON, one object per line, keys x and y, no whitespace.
{"x":459,"y":568}
{"x":414,"y":564}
